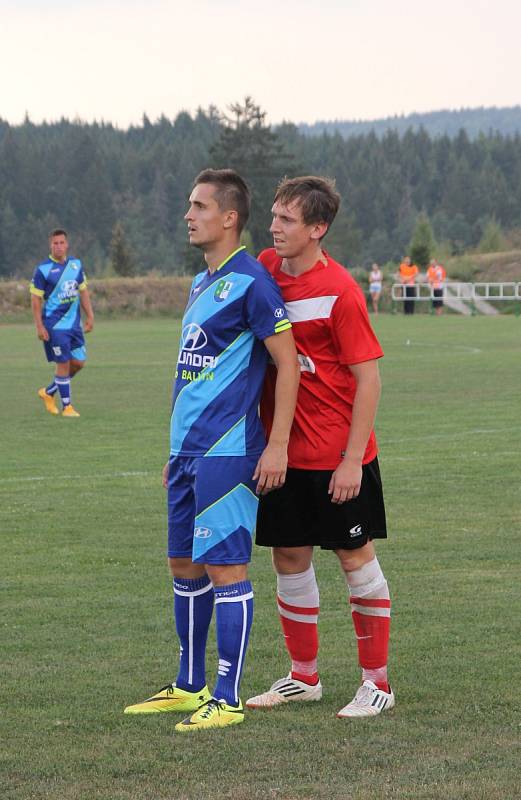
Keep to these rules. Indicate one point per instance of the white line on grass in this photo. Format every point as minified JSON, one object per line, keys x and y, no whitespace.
{"x":77,"y":477}
{"x":384,"y":442}
{"x":444,"y":436}
{"x":466,"y":348}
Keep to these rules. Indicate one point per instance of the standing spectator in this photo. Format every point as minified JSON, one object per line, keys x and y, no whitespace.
{"x":407,"y":275}
{"x":375,"y":286}
{"x":436,"y":276}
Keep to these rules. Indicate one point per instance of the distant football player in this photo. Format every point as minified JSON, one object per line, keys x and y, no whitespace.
{"x":332,"y":497}
{"x":58,"y":289}
{"x":219,"y":460}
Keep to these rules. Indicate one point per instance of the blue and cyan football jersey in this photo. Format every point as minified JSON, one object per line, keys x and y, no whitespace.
{"x":222,"y":359}
{"x":59,"y":285}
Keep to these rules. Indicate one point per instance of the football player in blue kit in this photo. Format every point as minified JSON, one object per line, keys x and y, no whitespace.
{"x":219,"y":462}
{"x":58,"y":289}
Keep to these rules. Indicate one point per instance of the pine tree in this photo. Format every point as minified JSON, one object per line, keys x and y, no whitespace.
{"x":492,"y":240}
{"x":422,"y":242}
{"x":120,"y":255}
{"x":248,"y":145}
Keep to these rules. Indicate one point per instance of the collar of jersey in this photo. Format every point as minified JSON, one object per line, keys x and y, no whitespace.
{"x":229,"y":258}
{"x":318,"y":265}
{"x":58,"y":262}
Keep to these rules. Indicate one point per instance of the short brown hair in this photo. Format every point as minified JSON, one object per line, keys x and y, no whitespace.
{"x":57,"y":232}
{"x":232,"y":193}
{"x":317,"y":197}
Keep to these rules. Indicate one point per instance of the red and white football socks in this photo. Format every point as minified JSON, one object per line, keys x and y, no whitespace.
{"x":298,"y":604}
{"x":371,"y":612}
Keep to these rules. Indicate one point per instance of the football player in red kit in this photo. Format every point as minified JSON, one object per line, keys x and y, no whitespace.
{"x":332,"y":497}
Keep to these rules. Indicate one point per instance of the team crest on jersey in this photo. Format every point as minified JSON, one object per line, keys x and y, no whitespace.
{"x":222,"y":290}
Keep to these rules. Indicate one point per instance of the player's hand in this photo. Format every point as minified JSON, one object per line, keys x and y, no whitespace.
{"x":270,"y":472}
{"x":164,"y":475}
{"x":345,"y":481}
{"x":89,"y":324}
{"x":43,"y":333}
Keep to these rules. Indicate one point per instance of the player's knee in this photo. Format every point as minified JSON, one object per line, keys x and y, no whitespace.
{"x":291,"y":560}
{"x":222,"y":575}
{"x":354,"y":559}
{"x":185,"y":568}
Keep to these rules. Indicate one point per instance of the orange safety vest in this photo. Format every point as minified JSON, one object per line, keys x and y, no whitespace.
{"x":408,"y":273}
{"x":436,"y":275}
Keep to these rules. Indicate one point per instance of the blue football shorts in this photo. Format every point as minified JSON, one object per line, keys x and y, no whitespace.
{"x":64,"y":345}
{"x":212,"y":508}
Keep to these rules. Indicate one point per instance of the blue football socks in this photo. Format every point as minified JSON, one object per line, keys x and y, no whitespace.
{"x":51,"y":388}
{"x":193,"y":607}
{"x":64,"y":388}
{"x":234,"y":615}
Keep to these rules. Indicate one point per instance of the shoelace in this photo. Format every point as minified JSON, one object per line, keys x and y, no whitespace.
{"x":210,"y":706}
{"x":364,"y":696}
{"x":169,"y":688}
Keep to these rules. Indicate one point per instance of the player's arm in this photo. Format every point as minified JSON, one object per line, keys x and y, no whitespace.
{"x":37,"y":290}
{"x":164,"y":475}
{"x":270,"y":472}
{"x":36,"y":308}
{"x":86,"y":306}
{"x":346,"y":479}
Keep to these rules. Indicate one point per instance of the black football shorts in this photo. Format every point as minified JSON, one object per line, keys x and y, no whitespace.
{"x":301,"y":512}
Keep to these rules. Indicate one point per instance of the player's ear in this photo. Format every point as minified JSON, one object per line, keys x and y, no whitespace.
{"x":231,"y":219}
{"x":319,"y":230}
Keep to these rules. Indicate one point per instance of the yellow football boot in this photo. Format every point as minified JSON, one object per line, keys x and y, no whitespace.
{"x":170,"y":698}
{"x":49,"y":401}
{"x":69,"y":411}
{"x":214,"y":714}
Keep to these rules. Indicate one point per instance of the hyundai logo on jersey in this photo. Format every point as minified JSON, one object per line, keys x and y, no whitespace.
{"x":68,"y":291}
{"x":193,"y":337}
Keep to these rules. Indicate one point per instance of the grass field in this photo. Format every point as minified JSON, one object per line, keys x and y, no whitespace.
{"x":86,"y":600}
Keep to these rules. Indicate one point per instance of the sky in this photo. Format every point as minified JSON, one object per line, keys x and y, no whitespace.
{"x":300,"y":60}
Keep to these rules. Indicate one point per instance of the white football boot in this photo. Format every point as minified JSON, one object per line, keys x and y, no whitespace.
{"x":368,"y":702}
{"x":285,"y":690}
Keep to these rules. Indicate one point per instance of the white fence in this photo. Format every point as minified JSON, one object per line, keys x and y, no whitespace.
{"x":460,"y":291}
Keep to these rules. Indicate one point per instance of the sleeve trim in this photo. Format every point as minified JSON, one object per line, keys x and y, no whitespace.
{"x":362,"y":360}
{"x":35,"y":291}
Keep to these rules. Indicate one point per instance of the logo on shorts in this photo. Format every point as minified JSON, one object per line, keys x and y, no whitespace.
{"x":279,"y":313}
{"x":57,"y":351}
{"x":203,"y":533}
{"x":193,"y":337}
{"x":355,"y":531}
{"x":222,"y":290}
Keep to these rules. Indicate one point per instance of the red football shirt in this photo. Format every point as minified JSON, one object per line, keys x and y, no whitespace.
{"x":331,"y":327}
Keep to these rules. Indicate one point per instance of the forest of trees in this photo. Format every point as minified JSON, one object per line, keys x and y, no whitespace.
{"x":122,"y":193}
{"x":474,"y":121}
